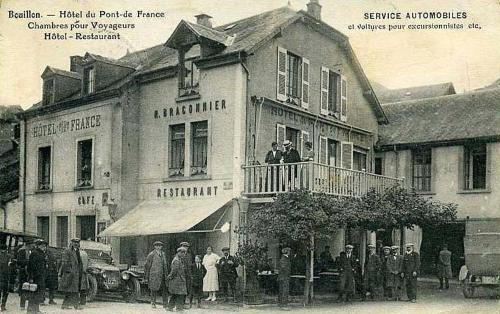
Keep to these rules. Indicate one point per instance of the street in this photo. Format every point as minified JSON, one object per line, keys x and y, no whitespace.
{"x":430,"y":301}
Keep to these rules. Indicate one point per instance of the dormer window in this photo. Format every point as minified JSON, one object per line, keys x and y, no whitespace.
{"x":190,"y":81}
{"x":48,"y":91}
{"x":89,"y":80}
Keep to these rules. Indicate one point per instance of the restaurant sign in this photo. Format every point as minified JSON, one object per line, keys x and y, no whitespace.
{"x":187,"y":192}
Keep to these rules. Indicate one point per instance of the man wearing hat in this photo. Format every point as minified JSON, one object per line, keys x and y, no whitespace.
{"x":393,"y":274}
{"x":177,"y":282}
{"x":349,"y":267}
{"x":372,"y":271}
{"x":187,"y":259}
{"x":290,"y":155}
{"x":5,"y":261}
{"x":37,"y":275}
{"x":411,"y":269}
{"x":273,"y":157}
{"x":156,"y":272}
{"x":284,"y":277}
{"x":386,"y":254}
{"x":70,"y":274}
{"x":21,"y":258}
{"x":227,"y":273}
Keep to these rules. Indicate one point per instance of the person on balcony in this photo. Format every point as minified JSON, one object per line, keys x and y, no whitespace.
{"x":309,"y":152}
{"x":291,"y":155}
{"x":273,"y":157}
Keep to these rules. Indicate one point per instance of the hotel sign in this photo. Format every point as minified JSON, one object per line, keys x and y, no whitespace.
{"x":83,"y":123}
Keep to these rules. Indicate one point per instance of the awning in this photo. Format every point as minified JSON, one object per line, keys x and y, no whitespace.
{"x":164,"y":216}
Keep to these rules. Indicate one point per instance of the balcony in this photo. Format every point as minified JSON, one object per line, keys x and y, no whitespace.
{"x":268,"y":180}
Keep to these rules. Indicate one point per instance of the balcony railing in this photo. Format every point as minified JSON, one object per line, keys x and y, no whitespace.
{"x":261,"y":180}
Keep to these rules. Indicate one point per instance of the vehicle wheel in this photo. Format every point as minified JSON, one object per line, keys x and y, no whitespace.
{"x":133,"y":291}
{"x":92,"y":291}
{"x":468,"y":289}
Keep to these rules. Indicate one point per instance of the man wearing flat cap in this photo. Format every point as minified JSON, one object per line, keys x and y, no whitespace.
{"x":21,"y":258}
{"x":284,"y":277}
{"x":386,"y":254}
{"x":177,"y":282}
{"x":37,"y":275}
{"x":70,"y":274}
{"x":411,"y":269}
{"x":227,"y":265}
{"x":372,"y":271}
{"x":187,"y":259}
{"x":349,"y":269}
{"x":393,"y":274}
{"x":156,"y":272}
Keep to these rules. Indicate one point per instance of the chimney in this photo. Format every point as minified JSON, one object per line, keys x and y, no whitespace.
{"x":314,"y":9}
{"x":76,"y":64}
{"x":204,"y":19}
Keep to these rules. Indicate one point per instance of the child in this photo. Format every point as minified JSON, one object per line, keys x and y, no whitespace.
{"x":198,"y":272}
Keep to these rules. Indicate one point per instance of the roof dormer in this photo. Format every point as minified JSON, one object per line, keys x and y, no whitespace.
{"x":59,"y":84}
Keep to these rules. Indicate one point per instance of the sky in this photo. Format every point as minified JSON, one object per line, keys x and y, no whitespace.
{"x":470,"y":58}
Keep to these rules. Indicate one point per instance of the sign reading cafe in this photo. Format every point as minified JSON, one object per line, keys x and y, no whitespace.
{"x":64,"y":126}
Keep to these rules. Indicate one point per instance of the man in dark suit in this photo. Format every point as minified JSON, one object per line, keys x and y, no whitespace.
{"x":187,"y":259}
{"x":349,"y":267}
{"x":198,"y":273}
{"x":5,"y":261}
{"x":291,"y":155}
{"x":273,"y":158}
{"x":372,"y":272}
{"x":37,"y":275}
{"x":284,"y":277}
{"x":22,"y":256}
{"x":411,"y":269}
{"x":227,"y":273}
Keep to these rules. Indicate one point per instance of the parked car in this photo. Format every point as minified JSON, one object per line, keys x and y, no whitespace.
{"x":105,"y":276}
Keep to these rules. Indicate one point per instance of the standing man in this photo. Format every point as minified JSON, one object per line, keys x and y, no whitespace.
{"x":70,"y":275}
{"x":386,"y":254}
{"x":84,"y":280}
{"x":274,"y":157}
{"x":444,"y":267}
{"x":227,"y":273}
{"x":348,"y":264}
{"x":52,"y":280}
{"x":156,"y":272}
{"x":187,"y":260}
{"x":198,"y":273}
{"x":372,"y":271}
{"x":394,"y":275}
{"x":37,"y":275}
{"x":284,"y":277}
{"x":22,"y":256}
{"x":411,"y":269}
{"x":291,"y":155}
{"x":5,"y":262}
{"x":177,"y":282}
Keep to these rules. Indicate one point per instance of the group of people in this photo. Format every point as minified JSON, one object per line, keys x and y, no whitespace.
{"x":37,"y":271}
{"x":185,"y":279}
{"x":290,"y":154}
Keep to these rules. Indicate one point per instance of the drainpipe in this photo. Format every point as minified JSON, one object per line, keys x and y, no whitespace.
{"x":24,"y":175}
{"x":243,"y":65}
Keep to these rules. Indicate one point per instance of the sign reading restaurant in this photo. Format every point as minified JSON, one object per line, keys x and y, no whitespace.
{"x":181,"y":110}
{"x":190,"y":191}
{"x":64,"y":126}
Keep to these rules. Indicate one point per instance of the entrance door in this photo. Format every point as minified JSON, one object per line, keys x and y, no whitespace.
{"x":62,"y":231}
{"x":85,"y":227}
{"x":43,"y":228}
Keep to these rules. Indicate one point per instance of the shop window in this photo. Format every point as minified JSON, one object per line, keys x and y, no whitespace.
{"x":199,"y":149}
{"x":48,"y":91}
{"x":333,"y":94}
{"x":177,"y":142}
{"x":475,"y":158}
{"x":43,"y":227}
{"x":88,"y":80}
{"x":422,"y":161}
{"x":44,"y":168}
{"x":84,"y":163}
{"x":359,"y":161}
{"x":62,"y":231}
{"x":85,"y":227}
{"x":292,"y":84}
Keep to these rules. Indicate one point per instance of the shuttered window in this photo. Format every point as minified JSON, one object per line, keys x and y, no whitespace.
{"x":292,"y":78}
{"x":332,"y":152}
{"x":323,"y":150}
{"x":305,"y":83}
{"x":325,"y":79}
{"x":343,"y":99}
{"x":281,"y":82}
{"x":346,"y":155}
{"x":280,"y":134}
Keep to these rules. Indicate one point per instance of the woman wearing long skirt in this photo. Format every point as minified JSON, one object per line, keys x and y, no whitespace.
{"x":211,"y":279}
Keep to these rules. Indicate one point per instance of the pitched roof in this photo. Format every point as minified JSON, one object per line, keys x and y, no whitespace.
{"x":122,"y":63}
{"x":386,"y":95}
{"x":74,"y":75}
{"x":442,"y":119}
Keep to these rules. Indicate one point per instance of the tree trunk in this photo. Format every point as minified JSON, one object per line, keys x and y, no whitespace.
{"x":309,"y":280}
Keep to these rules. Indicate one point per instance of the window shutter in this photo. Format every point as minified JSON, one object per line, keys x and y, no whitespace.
{"x":305,"y":83}
{"x":343,"y":98}
{"x":324,"y":90}
{"x":346,"y":154}
{"x":280,"y":134}
{"x":304,"y":137}
{"x":281,"y":74}
{"x":323,"y":150}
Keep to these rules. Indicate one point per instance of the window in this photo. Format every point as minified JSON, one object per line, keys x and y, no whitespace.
{"x":359,"y":161}
{"x":327,"y":151}
{"x":292,"y":84}
{"x":84,"y":163}
{"x":293,"y":135}
{"x":475,"y":167}
{"x":332,"y":152}
{"x":48,"y":91}
{"x":177,"y":141}
{"x":44,"y":164}
{"x":43,"y":228}
{"x":379,"y":165}
{"x":85,"y":227}
{"x":189,"y":74}
{"x":422,"y":161}
{"x":62,"y":231}
{"x":89,"y":80}
{"x":199,"y":149}
{"x":333,"y":94}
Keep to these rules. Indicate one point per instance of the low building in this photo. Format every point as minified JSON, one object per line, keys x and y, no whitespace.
{"x":448,"y":149}
{"x":386,"y":95}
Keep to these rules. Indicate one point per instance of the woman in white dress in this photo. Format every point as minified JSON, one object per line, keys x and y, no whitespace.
{"x":211,"y":279}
